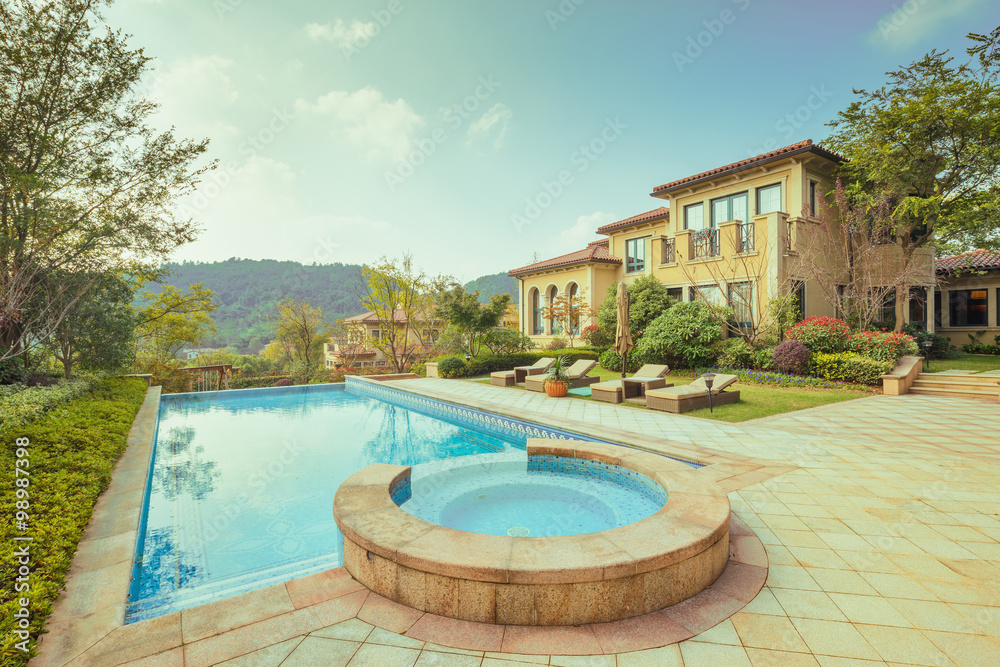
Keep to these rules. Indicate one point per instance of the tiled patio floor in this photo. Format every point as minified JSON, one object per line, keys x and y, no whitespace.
{"x":883,"y":547}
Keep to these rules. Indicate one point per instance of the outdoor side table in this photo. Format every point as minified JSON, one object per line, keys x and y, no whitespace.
{"x":633,"y":388}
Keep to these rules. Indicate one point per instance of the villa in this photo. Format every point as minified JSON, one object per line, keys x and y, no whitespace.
{"x":968,"y":296}
{"x":730,"y":234}
{"x":359,"y":352}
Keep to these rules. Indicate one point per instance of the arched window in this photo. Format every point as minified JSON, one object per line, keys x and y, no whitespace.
{"x":574,"y":308}
{"x":554,"y":327}
{"x":536,"y":313}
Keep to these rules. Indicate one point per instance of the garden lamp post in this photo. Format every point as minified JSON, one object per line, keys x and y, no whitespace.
{"x":709,"y":379}
{"x":468,"y":357}
{"x":927,"y":353}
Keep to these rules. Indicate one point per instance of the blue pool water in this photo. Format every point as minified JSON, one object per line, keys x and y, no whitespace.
{"x":241,"y":485}
{"x":536,"y":496}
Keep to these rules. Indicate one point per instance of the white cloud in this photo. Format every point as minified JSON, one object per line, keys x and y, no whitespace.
{"x":493,"y":123}
{"x":347,"y":36}
{"x":194,"y":93}
{"x":580,"y":233}
{"x":914,"y":21}
{"x":366,"y":120}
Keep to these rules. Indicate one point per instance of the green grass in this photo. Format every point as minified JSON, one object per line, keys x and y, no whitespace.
{"x":73,"y":448}
{"x":967,"y":362}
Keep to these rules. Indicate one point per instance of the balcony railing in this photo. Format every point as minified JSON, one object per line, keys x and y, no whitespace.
{"x":705,"y":243}
{"x":789,"y":242}
{"x":747,"y":237}
{"x":669,"y":251}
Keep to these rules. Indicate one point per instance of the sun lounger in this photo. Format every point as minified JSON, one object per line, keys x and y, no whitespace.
{"x":648,"y":377}
{"x":517,"y":376}
{"x":693,"y":396}
{"x":577,"y":376}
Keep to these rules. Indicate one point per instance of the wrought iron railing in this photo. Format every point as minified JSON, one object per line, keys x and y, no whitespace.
{"x":669,"y":251}
{"x":789,"y":242}
{"x":747,"y":240}
{"x":705,"y":243}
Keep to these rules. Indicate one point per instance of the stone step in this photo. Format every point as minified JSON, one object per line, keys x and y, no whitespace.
{"x":952,"y":383}
{"x":987,"y":380}
{"x":956,"y":393}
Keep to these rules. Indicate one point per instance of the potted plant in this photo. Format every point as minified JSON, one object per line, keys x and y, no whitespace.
{"x":556,"y":380}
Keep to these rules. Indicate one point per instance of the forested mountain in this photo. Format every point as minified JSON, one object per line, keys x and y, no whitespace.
{"x":247,"y":291}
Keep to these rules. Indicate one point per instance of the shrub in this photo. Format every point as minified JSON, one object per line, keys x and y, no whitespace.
{"x":792,"y":356}
{"x":506,"y":341}
{"x":681,"y":336}
{"x":850,"y":367}
{"x":11,"y":370}
{"x":733,"y":353}
{"x":557,"y":344}
{"x":787,"y":380}
{"x":72,"y":452}
{"x":612,"y":361}
{"x":451,"y":367}
{"x":883,"y":345}
{"x":23,"y":405}
{"x":594,"y":336}
{"x":763,"y":358}
{"x":980,"y":348}
{"x":940,"y":345}
{"x":821,"y":334}
{"x":284,"y":382}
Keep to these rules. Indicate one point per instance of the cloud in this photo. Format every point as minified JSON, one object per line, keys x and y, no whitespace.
{"x":493,"y":122}
{"x":347,"y":36}
{"x":366,"y":120}
{"x":194,"y":93}
{"x":913,"y":21}
{"x":581,"y":232}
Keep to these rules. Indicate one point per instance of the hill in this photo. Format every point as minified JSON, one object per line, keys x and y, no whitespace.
{"x":247,"y":291}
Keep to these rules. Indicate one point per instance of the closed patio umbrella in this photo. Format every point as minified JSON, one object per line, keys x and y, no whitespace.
{"x":623,"y":336}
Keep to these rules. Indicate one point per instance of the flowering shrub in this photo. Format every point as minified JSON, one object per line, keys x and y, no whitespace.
{"x":792,"y":356}
{"x":557,"y":344}
{"x":883,"y":345}
{"x":821,"y":334}
{"x":785,"y":380}
{"x":851,"y":367}
{"x":595,"y":336}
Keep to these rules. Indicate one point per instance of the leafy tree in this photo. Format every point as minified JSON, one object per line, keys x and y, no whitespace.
{"x":566,"y":312}
{"x":85,"y":184}
{"x":350,"y":340}
{"x":464,"y":311}
{"x":929,"y":137}
{"x":302,"y":331}
{"x":171,"y":320}
{"x":683,"y":334}
{"x":648,"y":299}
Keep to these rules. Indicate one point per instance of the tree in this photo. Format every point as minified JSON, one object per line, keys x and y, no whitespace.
{"x":85,"y":184}
{"x":930,"y":137}
{"x":464,"y":311}
{"x":171,"y":320}
{"x":349,"y":339}
{"x":98,"y":328}
{"x":648,"y":299}
{"x":301,"y":330}
{"x":567,"y":311}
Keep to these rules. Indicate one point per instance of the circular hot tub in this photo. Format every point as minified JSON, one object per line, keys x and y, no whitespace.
{"x":579,"y":532}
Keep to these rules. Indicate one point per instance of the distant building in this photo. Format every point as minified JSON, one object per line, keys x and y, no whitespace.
{"x":359,"y":352}
{"x":967,"y":299}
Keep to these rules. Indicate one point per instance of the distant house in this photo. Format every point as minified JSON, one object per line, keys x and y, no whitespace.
{"x":967,"y":299}
{"x":189,"y":353}
{"x":360,"y":352}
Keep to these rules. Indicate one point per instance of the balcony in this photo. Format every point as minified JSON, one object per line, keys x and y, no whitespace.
{"x":705,"y":243}
{"x":746,"y":237}
{"x":669,"y":251}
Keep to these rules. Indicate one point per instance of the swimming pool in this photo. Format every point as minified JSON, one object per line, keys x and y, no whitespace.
{"x":241,"y":483}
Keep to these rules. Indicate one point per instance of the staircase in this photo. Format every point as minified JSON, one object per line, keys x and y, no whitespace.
{"x":957,"y":386}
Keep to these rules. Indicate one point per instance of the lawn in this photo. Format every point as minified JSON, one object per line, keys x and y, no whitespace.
{"x":967,"y":362}
{"x":756,"y":400}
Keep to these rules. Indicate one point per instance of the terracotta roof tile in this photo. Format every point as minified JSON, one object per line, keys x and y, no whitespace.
{"x":371,"y":318}
{"x":806,"y":146}
{"x":603,"y":242}
{"x":975,"y":259}
{"x":592,"y":253}
{"x":655,"y":214}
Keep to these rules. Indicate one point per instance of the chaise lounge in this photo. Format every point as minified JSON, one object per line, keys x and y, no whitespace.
{"x":518,"y":375}
{"x":577,"y":376}
{"x":648,"y":377}
{"x":693,"y":396}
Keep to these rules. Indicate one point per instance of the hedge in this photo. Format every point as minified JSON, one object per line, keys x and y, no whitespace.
{"x":850,"y":367}
{"x":457,"y":367}
{"x":72,"y":452}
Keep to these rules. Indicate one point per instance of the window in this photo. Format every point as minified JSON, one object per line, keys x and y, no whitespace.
{"x":376,"y":334}
{"x":938,"y":299}
{"x":769,"y":199}
{"x":574,"y":309}
{"x":536,"y":314}
{"x":709,"y":294}
{"x":799,"y":290}
{"x":813,"y":203}
{"x":554,"y":327}
{"x":733,"y":207}
{"x":676,"y":293}
{"x":741,"y":300}
{"x":635,"y":255}
{"x":968,"y":307}
{"x":918,"y":306}
{"x":694,"y":216}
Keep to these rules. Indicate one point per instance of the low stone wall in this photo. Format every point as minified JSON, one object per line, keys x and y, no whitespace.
{"x":897,"y":382}
{"x":567,"y":580}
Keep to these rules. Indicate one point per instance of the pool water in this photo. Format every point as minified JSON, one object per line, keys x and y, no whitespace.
{"x":537,"y":496}
{"x":241,"y":485}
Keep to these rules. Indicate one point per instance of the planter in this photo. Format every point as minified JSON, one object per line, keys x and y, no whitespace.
{"x":556,"y":389}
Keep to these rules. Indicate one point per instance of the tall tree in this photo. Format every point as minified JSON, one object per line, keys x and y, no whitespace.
{"x":171,"y":320}
{"x":930,"y":135}
{"x":568,"y":311}
{"x":466,"y":313}
{"x":302,"y":331}
{"x":85,"y":184}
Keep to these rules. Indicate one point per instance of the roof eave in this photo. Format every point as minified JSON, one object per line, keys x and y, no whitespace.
{"x":524,"y":271}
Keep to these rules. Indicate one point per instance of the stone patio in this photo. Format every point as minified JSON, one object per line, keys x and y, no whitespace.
{"x":879,"y":521}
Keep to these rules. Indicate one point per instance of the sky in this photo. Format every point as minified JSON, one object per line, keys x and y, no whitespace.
{"x":476,"y":135}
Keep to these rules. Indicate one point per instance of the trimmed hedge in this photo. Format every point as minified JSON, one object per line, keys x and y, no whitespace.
{"x":72,"y":452}
{"x":457,"y":367}
{"x":850,"y":367}
{"x":20,"y":405}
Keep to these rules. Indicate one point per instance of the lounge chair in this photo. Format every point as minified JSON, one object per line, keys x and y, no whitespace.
{"x":648,"y":377}
{"x":517,"y":376}
{"x":693,"y":396}
{"x":576,"y":376}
